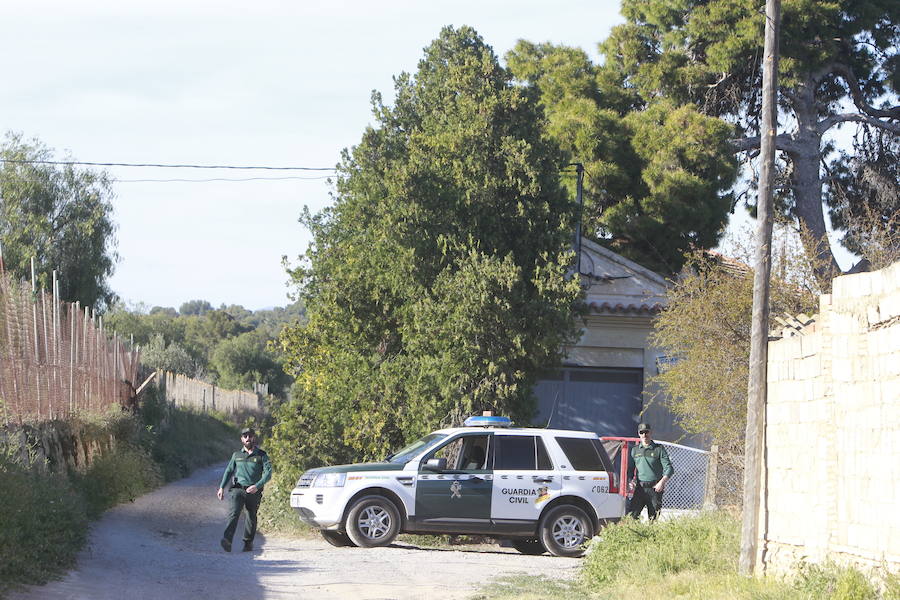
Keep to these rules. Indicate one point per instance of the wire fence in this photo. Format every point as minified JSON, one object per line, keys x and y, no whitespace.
{"x":687,"y":489}
{"x":55,"y":358}
{"x":694,"y":482}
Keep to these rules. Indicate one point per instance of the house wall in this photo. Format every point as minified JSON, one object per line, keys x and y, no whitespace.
{"x":622,"y":341}
{"x":832,"y":423}
{"x":623,"y":298}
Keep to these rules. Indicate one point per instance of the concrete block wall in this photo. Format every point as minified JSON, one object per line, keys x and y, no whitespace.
{"x":832,"y":474}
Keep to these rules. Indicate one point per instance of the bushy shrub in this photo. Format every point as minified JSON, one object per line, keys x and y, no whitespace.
{"x":45,"y":515}
{"x":43,"y":526}
{"x":190,"y":440}
{"x":708,"y":543}
{"x":834,"y":582}
{"x":696,"y":558}
{"x":118,"y":476}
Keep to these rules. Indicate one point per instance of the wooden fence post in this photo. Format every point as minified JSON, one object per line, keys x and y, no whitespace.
{"x":712,"y":478}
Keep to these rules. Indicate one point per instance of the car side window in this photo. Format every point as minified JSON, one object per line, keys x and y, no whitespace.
{"x":464,"y":453}
{"x":585,"y":454}
{"x":520,"y":453}
{"x":544,"y":462}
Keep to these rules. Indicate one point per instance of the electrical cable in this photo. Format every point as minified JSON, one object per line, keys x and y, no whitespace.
{"x":160,"y":165}
{"x":218,"y":179}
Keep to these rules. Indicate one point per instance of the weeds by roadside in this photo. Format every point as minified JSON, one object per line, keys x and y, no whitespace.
{"x":180,"y":440}
{"x":525,"y":587}
{"x":49,"y":508}
{"x":44,"y":525}
{"x":692,"y":558}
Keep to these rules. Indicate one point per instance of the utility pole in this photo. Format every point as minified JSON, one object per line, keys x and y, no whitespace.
{"x":579,"y":170}
{"x":755,"y":441}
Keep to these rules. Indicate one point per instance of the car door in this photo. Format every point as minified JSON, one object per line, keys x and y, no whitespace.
{"x":457,"y":498}
{"x":524,"y":480}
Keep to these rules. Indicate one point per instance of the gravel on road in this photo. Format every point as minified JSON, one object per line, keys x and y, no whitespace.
{"x":165,"y":546}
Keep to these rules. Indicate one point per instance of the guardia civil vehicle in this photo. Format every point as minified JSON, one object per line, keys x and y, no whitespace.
{"x":543,"y":489}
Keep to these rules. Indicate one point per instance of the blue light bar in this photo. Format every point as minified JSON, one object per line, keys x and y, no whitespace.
{"x":488,"y":422}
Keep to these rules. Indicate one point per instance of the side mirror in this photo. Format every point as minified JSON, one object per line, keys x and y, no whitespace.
{"x":435,"y":464}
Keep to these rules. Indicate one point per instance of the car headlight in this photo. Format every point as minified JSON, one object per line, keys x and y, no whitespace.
{"x":330,"y":480}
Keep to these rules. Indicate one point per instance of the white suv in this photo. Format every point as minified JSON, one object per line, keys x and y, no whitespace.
{"x":545,"y":489}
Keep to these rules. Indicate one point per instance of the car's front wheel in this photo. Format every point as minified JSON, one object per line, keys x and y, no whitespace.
{"x":529,"y":546}
{"x":373,"y":521}
{"x":337,"y":538}
{"x":565,"y":529}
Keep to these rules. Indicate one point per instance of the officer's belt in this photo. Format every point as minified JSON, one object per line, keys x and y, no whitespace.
{"x":648,"y":483}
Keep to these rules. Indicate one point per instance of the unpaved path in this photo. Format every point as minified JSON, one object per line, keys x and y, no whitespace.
{"x":165,"y":546}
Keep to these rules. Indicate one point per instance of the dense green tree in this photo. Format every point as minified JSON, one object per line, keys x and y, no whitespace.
{"x":143,"y":326}
{"x":838,"y":65}
{"x":195,"y":307}
{"x":158,"y":354}
{"x":60,"y":215}
{"x":658,"y":178}
{"x":203,"y":333}
{"x":214,"y":347}
{"x":241,"y":361}
{"x":237,"y":312}
{"x":435,"y":285}
{"x":273,"y":319}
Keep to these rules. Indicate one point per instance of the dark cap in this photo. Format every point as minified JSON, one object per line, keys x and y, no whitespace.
{"x":644,"y":427}
{"x":247,"y":430}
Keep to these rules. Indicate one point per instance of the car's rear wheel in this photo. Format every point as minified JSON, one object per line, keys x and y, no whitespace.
{"x":529,"y":546}
{"x":565,"y":529}
{"x":373,"y":521}
{"x":337,"y":538}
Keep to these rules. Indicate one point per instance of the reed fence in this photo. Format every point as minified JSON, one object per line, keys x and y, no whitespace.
{"x":181,"y":390}
{"x":55,"y":357}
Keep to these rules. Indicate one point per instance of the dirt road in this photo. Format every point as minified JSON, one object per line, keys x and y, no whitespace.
{"x":165,"y":546}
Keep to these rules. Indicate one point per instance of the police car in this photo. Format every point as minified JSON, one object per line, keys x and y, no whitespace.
{"x":544,"y":489}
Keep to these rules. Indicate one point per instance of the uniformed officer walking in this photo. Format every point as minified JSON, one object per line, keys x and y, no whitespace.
{"x":247,"y":472}
{"x":651,"y":469}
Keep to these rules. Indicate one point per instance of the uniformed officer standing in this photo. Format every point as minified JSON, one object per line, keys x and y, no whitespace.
{"x":651,"y":469}
{"x":247,"y":472}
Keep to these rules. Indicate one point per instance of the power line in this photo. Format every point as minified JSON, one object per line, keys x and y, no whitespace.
{"x":217,"y":179}
{"x":161,"y":165}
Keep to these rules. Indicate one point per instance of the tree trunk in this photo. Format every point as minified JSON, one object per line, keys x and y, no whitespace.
{"x":806,"y":182}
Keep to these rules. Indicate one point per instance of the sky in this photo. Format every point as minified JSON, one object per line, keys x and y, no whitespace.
{"x":263,"y":83}
{"x":270,"y":83}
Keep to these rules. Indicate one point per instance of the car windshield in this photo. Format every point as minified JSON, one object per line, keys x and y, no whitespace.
{"x":406,"y":453}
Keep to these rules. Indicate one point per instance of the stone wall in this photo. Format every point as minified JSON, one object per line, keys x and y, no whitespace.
{"x":59,"y":446}
{"x":833,"y":431}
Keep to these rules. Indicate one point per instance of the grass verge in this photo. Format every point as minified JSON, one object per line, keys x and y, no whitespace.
{"x":692,"y":558}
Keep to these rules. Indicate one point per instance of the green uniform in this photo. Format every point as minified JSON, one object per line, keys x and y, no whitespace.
{"x":649,"y":463}
{"x":243,"y":470}
{"x":249,"y":469}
